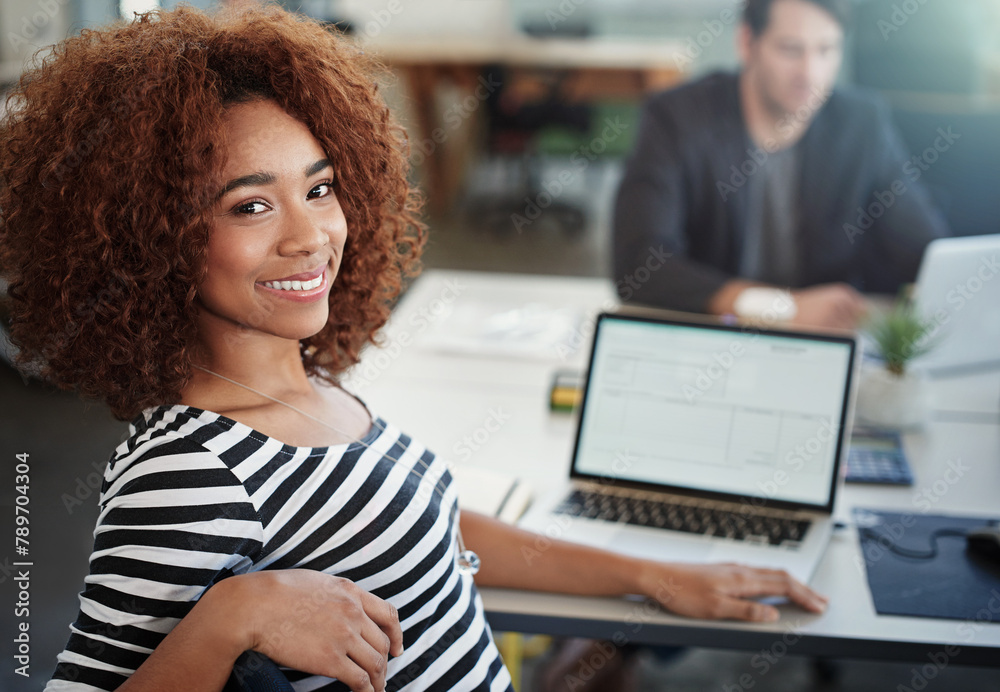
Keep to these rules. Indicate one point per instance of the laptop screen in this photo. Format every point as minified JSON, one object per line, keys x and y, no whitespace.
{"x":717,"y":409}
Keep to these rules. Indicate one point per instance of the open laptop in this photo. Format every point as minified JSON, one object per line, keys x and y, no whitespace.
{"x":958,"y":289}
{"x":702,"y":442}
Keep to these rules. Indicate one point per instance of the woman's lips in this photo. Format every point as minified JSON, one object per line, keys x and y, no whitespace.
{"x":295,"y":289}
{"x":304,"y":276}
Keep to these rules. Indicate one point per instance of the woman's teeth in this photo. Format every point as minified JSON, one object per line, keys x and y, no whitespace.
{"x":295,"y":285}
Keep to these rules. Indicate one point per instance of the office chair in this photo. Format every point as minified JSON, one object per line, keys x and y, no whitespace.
{"x":515,"y":129}
{"x":255,"y":672}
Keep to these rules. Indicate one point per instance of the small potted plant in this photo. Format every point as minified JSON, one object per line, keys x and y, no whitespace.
{"x":894,"y":395}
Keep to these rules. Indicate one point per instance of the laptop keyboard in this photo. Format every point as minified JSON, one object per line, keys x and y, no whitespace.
{"x":709,"y":520}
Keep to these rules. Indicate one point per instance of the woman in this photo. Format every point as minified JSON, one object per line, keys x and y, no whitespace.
{"x":205,"y":218}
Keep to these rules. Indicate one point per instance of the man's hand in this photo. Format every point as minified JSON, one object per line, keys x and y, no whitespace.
{"x":723,"y":591}
{"x":830,"y":305}
{"x":321,"y":624}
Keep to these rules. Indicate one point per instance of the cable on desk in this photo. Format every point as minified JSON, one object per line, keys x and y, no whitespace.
{"x":907,"y":552}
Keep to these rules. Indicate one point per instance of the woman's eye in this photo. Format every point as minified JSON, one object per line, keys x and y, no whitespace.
{"x":250,"y":208}
{"x":321,"y":190}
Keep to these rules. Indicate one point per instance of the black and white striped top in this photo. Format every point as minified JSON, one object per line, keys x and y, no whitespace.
{"x":193,"y":497}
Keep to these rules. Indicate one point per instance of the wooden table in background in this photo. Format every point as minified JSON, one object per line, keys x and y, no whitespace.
{"x":590,"y":69}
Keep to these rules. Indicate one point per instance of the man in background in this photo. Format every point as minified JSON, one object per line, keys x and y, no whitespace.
{"x":771,"y":179}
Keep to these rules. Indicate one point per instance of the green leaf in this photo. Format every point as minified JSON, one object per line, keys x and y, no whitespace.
{"x":901,"y":335}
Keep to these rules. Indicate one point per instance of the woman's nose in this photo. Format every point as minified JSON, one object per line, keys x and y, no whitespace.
{"x":302,"y":232}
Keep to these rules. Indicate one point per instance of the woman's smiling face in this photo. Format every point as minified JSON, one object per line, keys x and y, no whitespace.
{"x":278,"y":235}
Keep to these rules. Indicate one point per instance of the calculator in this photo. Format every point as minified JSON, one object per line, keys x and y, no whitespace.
{"x":876,"y":456}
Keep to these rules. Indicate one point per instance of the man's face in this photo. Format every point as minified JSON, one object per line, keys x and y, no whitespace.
{"x":796,"y":58}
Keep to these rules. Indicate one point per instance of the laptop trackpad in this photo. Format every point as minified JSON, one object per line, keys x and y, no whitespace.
{"x":656,"y":548}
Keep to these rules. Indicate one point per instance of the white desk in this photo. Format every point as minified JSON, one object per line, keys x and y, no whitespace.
{"x":442,"y":399}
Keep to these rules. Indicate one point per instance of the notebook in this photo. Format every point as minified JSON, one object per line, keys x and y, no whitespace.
{"x":703,"y":442}
{"x":489,"y":492}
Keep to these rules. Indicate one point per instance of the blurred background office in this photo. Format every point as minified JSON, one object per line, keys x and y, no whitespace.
{"x":520,"y":113}
{"x":508,"y":102}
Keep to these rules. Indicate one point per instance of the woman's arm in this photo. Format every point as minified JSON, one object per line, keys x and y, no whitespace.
{"x":515,"y":558}
{"x":172,"y":529}
{"x":199,"y":652}
{"x":307,"y":620}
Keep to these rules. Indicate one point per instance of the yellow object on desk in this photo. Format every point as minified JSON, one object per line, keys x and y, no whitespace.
{"x":566,"y":391}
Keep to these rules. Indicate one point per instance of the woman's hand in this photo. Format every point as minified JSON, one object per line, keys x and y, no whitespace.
{"x":307,"y":620}
{"x":719,"y":591}
{"x":320,"y":624}
{"x":512,"y":559}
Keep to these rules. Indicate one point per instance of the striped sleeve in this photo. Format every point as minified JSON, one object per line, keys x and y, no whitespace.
{"x":174,"y":521}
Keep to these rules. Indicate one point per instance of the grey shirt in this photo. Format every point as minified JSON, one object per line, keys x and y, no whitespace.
{"x":771,"y":249}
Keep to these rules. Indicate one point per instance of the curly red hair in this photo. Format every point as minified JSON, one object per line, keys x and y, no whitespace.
{"x":109,"y":163}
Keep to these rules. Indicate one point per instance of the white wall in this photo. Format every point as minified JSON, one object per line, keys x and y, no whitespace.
{"x":26,"y":26}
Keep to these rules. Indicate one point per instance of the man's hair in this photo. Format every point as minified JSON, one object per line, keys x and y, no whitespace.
{"x":110,"y":163}
{"x":757,"y":13}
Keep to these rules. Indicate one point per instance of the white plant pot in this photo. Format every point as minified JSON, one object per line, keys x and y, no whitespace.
{"x":891,"y":401}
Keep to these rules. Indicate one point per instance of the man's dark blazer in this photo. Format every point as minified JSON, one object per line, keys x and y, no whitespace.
{"x":684,"y":193}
